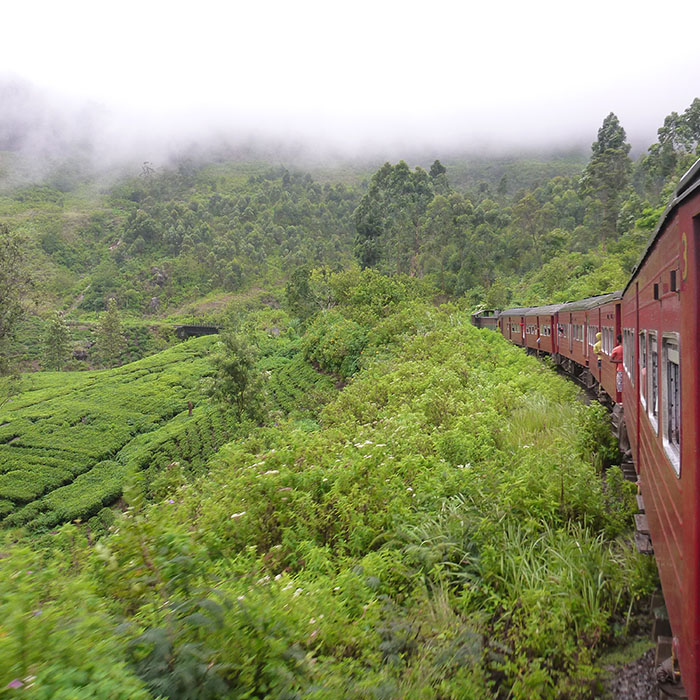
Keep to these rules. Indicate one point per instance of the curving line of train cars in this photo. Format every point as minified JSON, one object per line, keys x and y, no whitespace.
{"x":657,"y":316}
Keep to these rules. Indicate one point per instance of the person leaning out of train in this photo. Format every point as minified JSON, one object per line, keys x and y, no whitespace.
{"x":617,"y":356}
{"x":598,"y":347}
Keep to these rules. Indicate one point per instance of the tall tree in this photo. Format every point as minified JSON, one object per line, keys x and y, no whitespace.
{"x":387,"y":220}
{"x":439,"y":228}
{"x":237,"y":382}
{"x":438,"y":176}
{"x":110,"y":341}
{"x":56,"y":343}
{"x":15,"y":285}
{"x":298,"y":293}
{"x":678,"y":145}
{"x":607,"y":173}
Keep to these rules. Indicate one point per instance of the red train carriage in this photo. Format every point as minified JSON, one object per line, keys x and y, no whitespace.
{"x":487,"y":318}
{"x":604,"y":318}
{"x":544,"y":321}
{"x":532,"y":330}
{"x":574,"y":346}
{"x":578,"y":323}
{"x":512,"y":325}
{"x":660,"y":308}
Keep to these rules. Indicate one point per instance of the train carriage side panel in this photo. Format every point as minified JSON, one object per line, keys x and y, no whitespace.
{"x":545,"y":327}
{"x":515,"y":319}
{"x":578,"y":337}
{"x":593,"y":328}
{"x":564,"y":338}
{"x":610,"y":325}
{"x":630,"y":323}
{"x":531,"y":330}
{"x":688,"y":279}
{"x":667,"y":288}
{"x":662,"y":487}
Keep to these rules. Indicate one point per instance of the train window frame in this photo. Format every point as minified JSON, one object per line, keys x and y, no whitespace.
{"x":653,"y":381}
{"x":672,"y":401}
{"x":628,"y":354}
{"x":592,"y":330}
{"x":643,"y":368}
{"x":607,"y":340}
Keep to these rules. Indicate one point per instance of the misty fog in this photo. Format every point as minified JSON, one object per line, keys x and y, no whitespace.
{"x":113,"y":85}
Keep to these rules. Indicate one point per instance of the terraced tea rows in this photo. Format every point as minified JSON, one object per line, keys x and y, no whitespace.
{"x":70,"y":439}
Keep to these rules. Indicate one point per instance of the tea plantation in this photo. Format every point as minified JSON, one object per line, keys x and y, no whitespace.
{"x":69,"y":441}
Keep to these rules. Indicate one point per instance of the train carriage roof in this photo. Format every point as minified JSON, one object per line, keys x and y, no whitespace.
{"x":590,"y":302}
{"x":688,"y":185}
{"x":549,"y":309}
{"x":517,"y":311}
{"x":543,"y":310}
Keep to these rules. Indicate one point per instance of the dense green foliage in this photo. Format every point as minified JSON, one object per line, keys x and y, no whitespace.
{"x":70,"y":439}
{"x":435,"y":529}
{"x":56,"y":343}
{"x":110,"y":341}
{"x":569,"y":236}
{"x":183,"y":240}
{"x":14,"y":284}
{"x":352,"y":493}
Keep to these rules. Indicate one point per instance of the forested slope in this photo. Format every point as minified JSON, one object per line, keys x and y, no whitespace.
{"x":183,"y":239}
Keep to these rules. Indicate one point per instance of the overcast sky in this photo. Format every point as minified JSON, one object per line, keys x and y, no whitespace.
{"x":367,"y":72}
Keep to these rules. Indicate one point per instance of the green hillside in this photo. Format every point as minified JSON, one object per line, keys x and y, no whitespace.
{"x":432,"y":526}
{"x":349,"y":492}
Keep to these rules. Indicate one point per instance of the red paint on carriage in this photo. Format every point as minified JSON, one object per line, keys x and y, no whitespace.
{"x":660,"y":312}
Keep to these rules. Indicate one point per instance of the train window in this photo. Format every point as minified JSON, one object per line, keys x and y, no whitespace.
{"x":607,"y":340}
{"x":643,"y":368}
{"x":670,"y":359}
{"x":628,"y":352}
{"x":653,"y":383}
{"x":592,"y":330}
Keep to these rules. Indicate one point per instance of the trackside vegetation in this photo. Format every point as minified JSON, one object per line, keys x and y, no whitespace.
{"x":432,"y":524}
